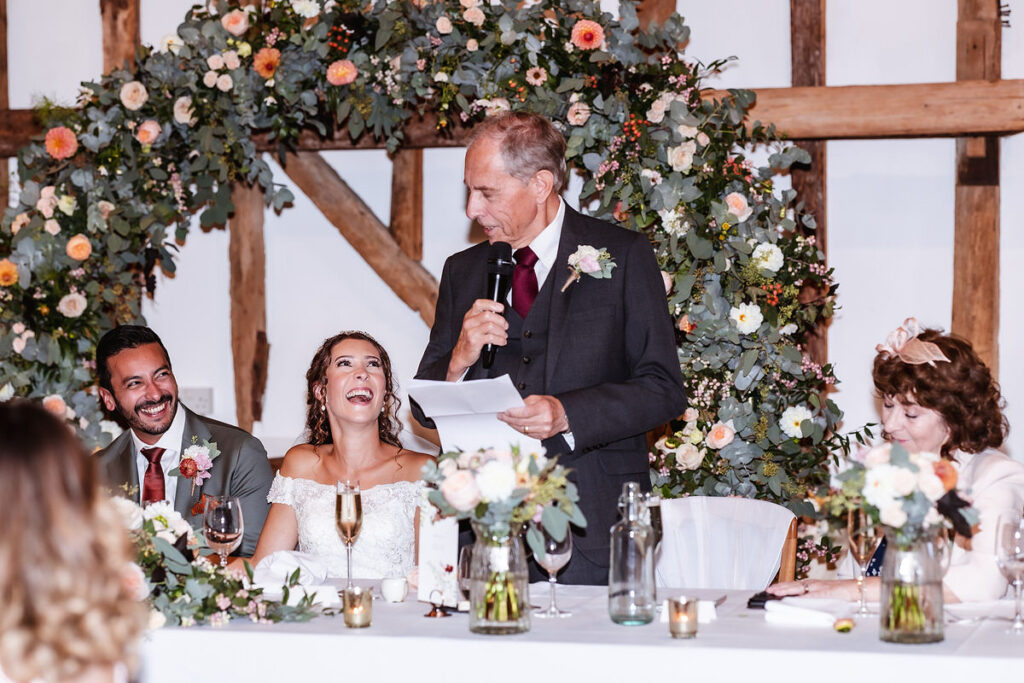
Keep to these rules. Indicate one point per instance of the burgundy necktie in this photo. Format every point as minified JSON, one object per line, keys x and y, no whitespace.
{"x":524,"y":281}
{"x":153,"y":482}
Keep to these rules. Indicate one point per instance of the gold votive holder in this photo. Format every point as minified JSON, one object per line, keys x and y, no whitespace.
{"x":682,"y":617}
{"x":357,"y":607}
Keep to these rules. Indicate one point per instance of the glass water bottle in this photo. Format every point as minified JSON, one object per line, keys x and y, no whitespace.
{"x":631,"y":577}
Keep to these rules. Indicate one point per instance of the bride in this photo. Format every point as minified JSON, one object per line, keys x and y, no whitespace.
{"x":353,"y":436}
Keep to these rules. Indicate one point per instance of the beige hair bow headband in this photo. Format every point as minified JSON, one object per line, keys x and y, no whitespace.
{"x":903,"y":343}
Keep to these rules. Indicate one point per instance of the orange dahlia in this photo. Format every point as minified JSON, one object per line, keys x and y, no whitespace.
{"x":61,"y":143}
{"x":8,"y":273}
{"x":587,"y":34}
{"x":266,"y":61}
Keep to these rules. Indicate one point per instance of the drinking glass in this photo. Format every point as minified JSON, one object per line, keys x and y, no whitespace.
{"x":556,"y":555}
{"x":223,"y":525}
{"x":465,"y":569}
{"x":1010,"y":556}
{"x":863,"y":537}
{"x":348,"y":518}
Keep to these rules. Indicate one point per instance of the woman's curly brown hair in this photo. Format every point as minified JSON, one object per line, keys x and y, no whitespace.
{"x":962,"y":391}
{"x":66,"y":610}
{"x":388,"y":424}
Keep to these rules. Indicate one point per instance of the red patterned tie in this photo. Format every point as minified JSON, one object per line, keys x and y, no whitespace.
{"x":153,"y":482}
{"x":524,"y":281}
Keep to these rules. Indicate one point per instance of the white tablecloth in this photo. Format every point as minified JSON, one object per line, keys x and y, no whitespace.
{"x":402,"y":645}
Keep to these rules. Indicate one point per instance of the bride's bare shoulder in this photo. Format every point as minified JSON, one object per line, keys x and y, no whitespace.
{"x":300,"y":461}
{"x":411,"y":464}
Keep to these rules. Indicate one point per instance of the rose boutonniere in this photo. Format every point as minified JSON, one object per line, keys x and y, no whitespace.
{"x":586,"y":259}
{"x":196,"y":462}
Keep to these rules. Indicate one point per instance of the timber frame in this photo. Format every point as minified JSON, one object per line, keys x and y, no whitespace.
{"x":809,"y":112}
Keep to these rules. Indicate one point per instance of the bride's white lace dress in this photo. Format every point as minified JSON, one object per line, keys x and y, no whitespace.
{"x":386,"y":545}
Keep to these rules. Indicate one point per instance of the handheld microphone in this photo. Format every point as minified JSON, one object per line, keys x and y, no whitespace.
{"x":499,"y":281}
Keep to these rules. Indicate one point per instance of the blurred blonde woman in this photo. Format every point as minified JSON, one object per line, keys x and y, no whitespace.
{"x":65,"y":612}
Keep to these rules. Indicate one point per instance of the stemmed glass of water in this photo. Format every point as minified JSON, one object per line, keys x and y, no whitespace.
{"x":348,"y":518}
{"x":1010,"y":557}
{"x":223,"y":525}
{"x":556,"y":555}
{"x":863,"y":537}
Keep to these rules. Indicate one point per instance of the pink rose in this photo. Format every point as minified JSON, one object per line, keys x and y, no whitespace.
{"x":106,"y":208}
{"x":20,"y":221}
{"x":474,"y":15}
{"x":72,"y":305}
{"x":134,"y":582}
{"x":231,"y":60}
{"x":589,"y":264}
{"x":147,"y":132}
{"x":690,"y":415}
{"x":235,"y":22}
{"x":52,"y":226}
{"x":210,"y":79}
{"x":215,"y":62}
{"x":578,"y":114}
{"x":720,"y":436}
{"x":133,"y":95}
{"x":471,"y":46}
{"x":443,"y":25}
{"x":738,"y":206}
{"x":461,"y":491}
{"x":47,"y":201}
{"x":224,"y":83}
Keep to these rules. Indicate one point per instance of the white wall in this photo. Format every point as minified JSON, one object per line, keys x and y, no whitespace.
{"x":890,"y":214}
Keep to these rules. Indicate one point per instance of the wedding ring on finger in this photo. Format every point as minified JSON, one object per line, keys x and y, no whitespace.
{"x":526,"y":429}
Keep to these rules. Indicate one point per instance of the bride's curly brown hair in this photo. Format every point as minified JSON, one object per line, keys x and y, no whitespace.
{"x":388,"y":424}
{"x":962,"y":391}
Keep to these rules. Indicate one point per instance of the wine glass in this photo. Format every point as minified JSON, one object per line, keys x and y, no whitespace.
{"x":556,"y":555}
{"x":348,"y":518}
{"x":223,"y":525}
{"x":1010,"y":557}
{"x":863,"y":537}
{"x":465,"y":569}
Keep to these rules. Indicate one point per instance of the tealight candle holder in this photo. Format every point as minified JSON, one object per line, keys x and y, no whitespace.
{"x":357,"y":607}
{"x":682,"y":617}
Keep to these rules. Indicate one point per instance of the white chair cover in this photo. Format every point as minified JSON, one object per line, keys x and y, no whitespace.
{"x":727,"y":543}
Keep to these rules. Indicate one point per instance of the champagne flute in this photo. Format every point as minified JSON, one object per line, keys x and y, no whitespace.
{"x":348,"y":518}
{"x":223,"y":525}
{"x":465,"y":570}
{"x":863,"y":537}
{"x":1010,"y":557}
{"x":556,"y":555}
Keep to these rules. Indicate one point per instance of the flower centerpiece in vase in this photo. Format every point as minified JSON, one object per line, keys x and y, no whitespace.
{"x":913,"y":497}
{"x":502,"y":492}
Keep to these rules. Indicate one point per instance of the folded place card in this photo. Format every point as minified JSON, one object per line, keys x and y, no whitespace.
{"x":438,"y":557}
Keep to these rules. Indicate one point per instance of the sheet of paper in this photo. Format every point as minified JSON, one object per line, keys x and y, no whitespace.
{"x":466,"y":413}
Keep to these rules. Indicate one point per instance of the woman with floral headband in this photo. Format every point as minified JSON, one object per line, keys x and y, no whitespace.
{"x":938,"y":396}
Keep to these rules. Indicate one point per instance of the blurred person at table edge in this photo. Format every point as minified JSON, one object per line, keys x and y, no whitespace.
{"x":136,"y":383}
{"x":66,"y":613}
{"x":352,"y":423}
{"x":594,"y":359}
{"x":939,"y":397}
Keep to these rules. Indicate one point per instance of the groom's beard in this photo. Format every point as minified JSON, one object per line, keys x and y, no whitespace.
{"x":142,"y":423}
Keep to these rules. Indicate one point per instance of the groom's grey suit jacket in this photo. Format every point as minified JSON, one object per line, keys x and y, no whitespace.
{"x":241,"y":470}
{"x":604,"y":347}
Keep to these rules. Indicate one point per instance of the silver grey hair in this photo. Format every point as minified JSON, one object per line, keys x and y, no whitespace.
{"x":528,"y":143}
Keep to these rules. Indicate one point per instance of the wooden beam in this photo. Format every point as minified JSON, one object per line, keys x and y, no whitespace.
{"x":888,"y":111}
{"x":5,"y":102}
{"x":654,"y":11}
{"x":976,"y":235}
{"x":407,"y":201}
{"x":807,"y":60}
{"x":248,"y":303}
{"x":353,"y":218}
{"x":120,"y":33}
{"x":419,"y":132}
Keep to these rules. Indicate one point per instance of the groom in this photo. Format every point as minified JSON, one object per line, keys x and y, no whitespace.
{"x":595,"y":361}
{"x":136,"y":382}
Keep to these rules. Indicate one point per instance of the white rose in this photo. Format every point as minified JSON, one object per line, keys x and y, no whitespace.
{"x":787,"y":329}
{"x":747,"y":317}
{"x":792,"y":418}
{"x":932,"y":517}
{"x":651,"y":175}
{"x":461,"y":491}
{"x":904,"y":481}
{"x":447,"y":467}
{"x":673,"y":222}
{"x":307,"y":9}
{"x":66,"y":204}
{"x":224,"y":82}
{"x":210,"y":79}
{"x":767,"y":256}
{"x":689,"y":457}
{"x":583,"y":252}
{"x":892,"y":515}
{"x":440,"y":77}
{"x":496,"y":480}
{"x":170,"y":43}
{"x":703,"y":139}
{"x":183,"y":111}
{"x":686,"y":132}
{"x":656,"y":114}
{"x":215,"y":62}
{"x":930,"y":484}
{"x":879,"y":455}
{"x":156,"y":619}
{"x":72,"y":305}
{"x":878,"y":485}
{"x":6,"y":392}
{"x":681,"y":156}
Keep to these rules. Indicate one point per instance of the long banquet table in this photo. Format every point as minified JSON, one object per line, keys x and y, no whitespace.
{"x":739,"y":645}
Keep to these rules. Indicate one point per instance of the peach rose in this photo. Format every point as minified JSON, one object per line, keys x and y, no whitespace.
{"x":443,"y":25}
{"x":210,"y":79}
{"x":56,"y":405}
{"x":461,"y":491}
{"x":680,"y":157}
{"x":61,"y":143}
{"x":342,"y":72}
{"x":8,"y":272}
{"x":72,"y":305}
{"x":945,"y":471}
{"x":231,"y":60}
{"x":133,"y":95}
{"x":79,"y":247}
{"x":235,"y":22}
{"x":474,"y":15}
{"x":215,"y":62}
{"x":738,"y":206}
{"x":52,"y":226}
{"x":690,"y":414}
{"x":472,"y":45}
{"x":587,"y":34}
{"x":468,"y":3}
{"x":720,"y":436}
{"x":147,"y":132}
{"x":106,"y":208}
{"x":224,"y":83}
{"x":266,"y":61}
{"x":578,"y":114}
{"x":47,"y":201}
{"x":689,"y":457}
{"x":20,"y":221}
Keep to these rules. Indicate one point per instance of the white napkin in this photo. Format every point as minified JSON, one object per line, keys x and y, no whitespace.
{"x":977,"y":610}
{"x":806,"y":611}
{"x":272,"y":573}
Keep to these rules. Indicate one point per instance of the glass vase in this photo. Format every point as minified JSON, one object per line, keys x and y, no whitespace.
{"x":911,"y":601}
{"x":499,"y":593}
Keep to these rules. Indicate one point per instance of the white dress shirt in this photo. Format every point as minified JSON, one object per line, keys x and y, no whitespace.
{"x":170,"y":441}
{"x":545,"y":246}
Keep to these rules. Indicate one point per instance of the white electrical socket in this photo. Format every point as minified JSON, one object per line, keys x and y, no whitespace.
{"x":198,"y":399}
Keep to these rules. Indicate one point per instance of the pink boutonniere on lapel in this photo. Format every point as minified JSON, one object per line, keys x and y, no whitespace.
{"x":196,"y":462}
{"x":587,"y":259}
